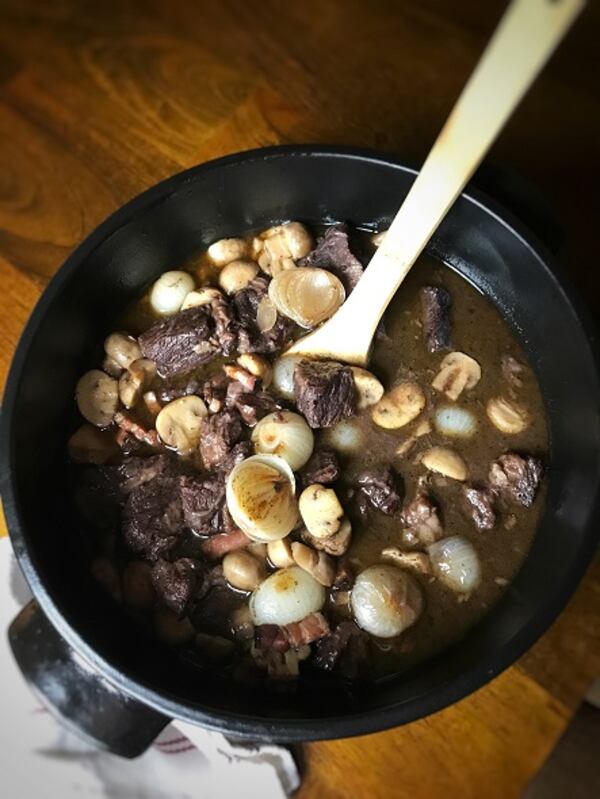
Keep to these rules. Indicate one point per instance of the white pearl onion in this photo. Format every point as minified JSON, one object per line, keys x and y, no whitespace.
{"x":455,"y":563}
{"x":285,"y":434}
{"x":385,"y":601}
{"x":169,"y":292}
{"x":287,"y":596}
{"x":283,"y":375}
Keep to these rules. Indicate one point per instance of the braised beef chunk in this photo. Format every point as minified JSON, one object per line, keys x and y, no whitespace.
{"x":250,"y":337}
{"x":479,"y":505}
{"x":181,"y":342}
{"x":381,"y":487}
{"x":239,"y":452}
{"x":324,"y":392}
{"x":516,"y":477}
{"x":333,"y":253}
{"x":202,"y":499}
{"x":176,"y":583}
{"x":323,"y":467}
{"x":214,"y":392}
{"x":435,"y":313}
{"x":219,"y":432}
{"x":152,"y":517}
{"x":135,"y":471}
{"x":345,"y":649}
{"x":344,"y":576}
{"x":254,"y":405}
{"x":225,"y":324}
{"x":176,"y":388}
{"x":422,"y":520}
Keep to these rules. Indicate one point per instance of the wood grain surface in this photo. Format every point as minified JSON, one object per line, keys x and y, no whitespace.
{"x":99,"y":100}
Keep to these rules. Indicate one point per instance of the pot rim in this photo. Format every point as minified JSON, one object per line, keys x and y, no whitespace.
{"x":264,"y":728}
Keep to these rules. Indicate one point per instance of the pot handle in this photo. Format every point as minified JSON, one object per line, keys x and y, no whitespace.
{"x":74,"y":692}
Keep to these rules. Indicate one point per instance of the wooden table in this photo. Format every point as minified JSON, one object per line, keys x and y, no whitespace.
{"x":100,"y":100}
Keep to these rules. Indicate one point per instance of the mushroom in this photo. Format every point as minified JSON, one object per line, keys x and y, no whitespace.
{"x":258,"y":366}
{"x":336,"y":544}
{"x":138,"y":590}
{"x":445,"y":461}
{"x":111,"y":367}
{"x":280,"y":553}
{"x":151,"y":402}
{"x":179,"y":423}
{"x":171,"y":629}
{"x":225,"y":251}
{"x":321,"y":510}
{"x":243,"y":571}
{"x":123,"y":350}
{"x":319,"y":564}
{"x":90,"y":445}
{"x":200,"y":297}
{"x":399,"y":406}
{"x":287,"y":596}
{"x":97,"y":397}
{"x":169,"y":292}
{"x":236,"y":275}
{"x":309,"y":296}
{"x":279,"y":247}
{"x":368,"y":388}
{"x":385,"y":601}
{"x":135,"y":380}
{"x":286,"y":434}
{"x":458,"y":372}
{"x":418,"y":561}
{"x":242,"y":625}
{"x":508,"y":416}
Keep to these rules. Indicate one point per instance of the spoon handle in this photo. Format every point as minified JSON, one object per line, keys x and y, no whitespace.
{"x":522,"y":43}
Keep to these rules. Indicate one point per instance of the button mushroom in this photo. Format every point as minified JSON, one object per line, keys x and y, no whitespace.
{"x":97,"y":397}
{"x":169,"y":292}
{"x":508,"y":416}
{"x":135,"y":380}
{"x":417,"y":561}
{"x":179,"y":423}
{"x":319,"y":564}
{"x":445,"y":461}
{"x":236,"y":275}
{"x":458,"y":372}
{"x":225,"y":251}
{"x":321,"y":510}
{"x":399,"y":406}
{"x":258,"y":366}
{"x":243,"y":571}
{"x":200,"y":297}
{"x":336,"y":544}
{"x":368,"y":388}
{"x":280,"y":553}
{"x":122,"y":349}
{"x":279,"y":247}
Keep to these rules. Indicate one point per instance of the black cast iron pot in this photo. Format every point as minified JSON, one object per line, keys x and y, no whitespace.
{"x":98,"y":670}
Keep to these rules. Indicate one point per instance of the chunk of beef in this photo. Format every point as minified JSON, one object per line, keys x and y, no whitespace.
{"x":324,"y":392}
{"x":349,"y":641}
{"x":422,"y":518}
{"x":176,"y":388}
{"x":203,"y":499}
{"x":270,"y":637}
{"x":152,"y":517}
{"x":238,"y":453}
{"x":250,"y":337}
{"x":333,"y":253}
{"x":135,"y":471}
{"x":309,"y":629}
{"x":176,"y":583}
{"x":336,"y":544}
{"x":380,"y":486}
{"x":344,"y":576}
{"x":214,"y":392}
{"x":219,"y":433}
{"x":435,"y":313}
{"x":226,"y":327}
{"x":253,"y":407}
{"x":219,"y":545}
{"x":212,"y":612}
{"x":323,"y":467}
{"x":516,"y":477}
{"x":479,"y":503}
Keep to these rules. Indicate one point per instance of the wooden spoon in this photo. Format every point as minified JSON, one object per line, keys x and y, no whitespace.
{"x":523,"y":41}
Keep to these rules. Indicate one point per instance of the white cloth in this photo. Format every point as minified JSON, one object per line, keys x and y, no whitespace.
{"x":38,"y":758}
